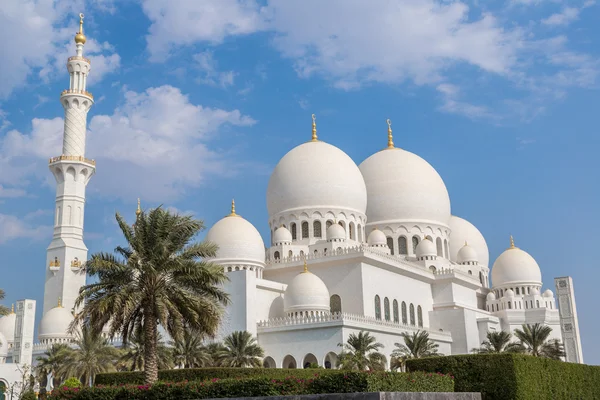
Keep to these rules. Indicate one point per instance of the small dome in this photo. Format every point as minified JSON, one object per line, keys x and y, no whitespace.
{"x":377,"y":238}
{"x":282,"y":235}
{"x":462,"y":231}
{"x":548,"y":293}
{"x":55,"y":324}
{"x":306,"y":292}
{"x":7,"y":326}
{"x":336,"y":232}
{"x":535,"y":291}
{"x":509,"y":293}
{"x":515,"y":266}
{"x":238,"y":240}
{"x":426,"y":248}
{"x":316,"y":175}
{"x":466,"y":254}
{"x":491,"y":296}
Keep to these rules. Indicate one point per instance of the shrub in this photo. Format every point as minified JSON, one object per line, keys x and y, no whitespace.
{"x":515,"y":376}
{"x":28,"y":395}
{"x":331,"y":382}
{"x":72,"y":383}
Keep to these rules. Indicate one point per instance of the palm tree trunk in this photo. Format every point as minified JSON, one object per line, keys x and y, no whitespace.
{"x":150,"y":353}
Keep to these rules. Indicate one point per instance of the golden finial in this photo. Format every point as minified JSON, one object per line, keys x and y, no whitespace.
{"x":80,"y":37}
{"x":512,"y":243}
{"x":138,"y":211}
{"x":314,"y":129}
{"x":390,"y":137}
{"x":233,"y":214}
{"x":466,"y":244}
{"x":59,"y":303}
{"x":305,"y":265}
{"x":12,"y":308}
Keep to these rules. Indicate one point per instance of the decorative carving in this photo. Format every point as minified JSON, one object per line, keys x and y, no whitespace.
{"x":72,"y":158}
{"x":568,"y":327}
{"x":76,"y":263}
{"x":562,"y":284}
{"x":55,"y":263}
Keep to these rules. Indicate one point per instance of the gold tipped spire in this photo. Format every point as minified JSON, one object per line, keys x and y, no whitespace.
{"x":59,"y":303}
{"x":390,"y":137}
{"x":80,"y":37}
{"x":466,"y":244}
{"x":12,"y":308}
{"x":512,"y":243}
{"x":233,"y":214}
{"x":314,"y":129}
{"x":138,"y":211}
{"x":305,"y":266}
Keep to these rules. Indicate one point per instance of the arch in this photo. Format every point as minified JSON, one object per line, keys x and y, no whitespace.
{"x":438,"y":246}
{"x":415,"y":242}
{"x":433,"y":269}
{"x":317,"y":229}
{"x":301,"y":253}
{"x":328,"y":223}
{"x":481,"y":278}
{"x":359,"y":233}
{"x":446,"y":252}
{"x":330,"y":361}
{"x":304,"y":230}
{"x":351,"y":231}
{"x":377,"y":307}
{"x":309,"y":361}
{"x":412,"y":314}
{"x":395,"y":311}
{"x":386,"y":308}
{"x":290,"y":253}
{"x":420,"y":316}
{"x":276,"y":255}
{"x":58,"y":216}
{"x":268,"y":362}
{"x":335,"y":304}
{"x":293,"y":230}
{"x":71,"y":174}
{"x":402,"y":245}
{"x":470,"y":272}
{"x":69,"y":212}
{"x":80,"y":216}
{"x":537,"y":303}
{"x":390,"y":244}
{"x":289,"y":362}
{"x":3,"y":389}
{"x":404,"y":318}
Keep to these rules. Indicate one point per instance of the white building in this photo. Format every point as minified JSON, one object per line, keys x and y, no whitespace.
{"x":353,"y":248}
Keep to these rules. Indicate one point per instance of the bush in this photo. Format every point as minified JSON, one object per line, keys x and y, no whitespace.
{"x":331,"y":382}
{"x":72,"y":383}
{"x":28,"y":395}
{"x":515,"y":376}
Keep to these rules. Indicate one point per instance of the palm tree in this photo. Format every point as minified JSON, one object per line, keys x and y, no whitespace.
{"x":215,"y":351}
{"x":498,"y":342}
{"x":160,"y":278}
{"x":416,"y":345}
{"x":240,"y":350}
{"x":190,"y":351}
{"x":93,"y":354}
{"x":534,"y":339}
{"x":132,"y":355}
{"x":50,"y":363}
{"x":361,"y":352}
{"x":3,"y":310}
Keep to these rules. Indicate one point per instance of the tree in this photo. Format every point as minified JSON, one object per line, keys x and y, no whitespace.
{"x":534,"y":341}
{"x":91,"y":355}
{"x":416,"y":345}
{"x":160,"y":278}
{"x":190,"y":352}
{"x":240,"y":350}
{"x":3,"y":310}
{"x":498,"y":342}
{"x":132,"y":354}
{"x":50,"y":363}
{"x":361,"y":352}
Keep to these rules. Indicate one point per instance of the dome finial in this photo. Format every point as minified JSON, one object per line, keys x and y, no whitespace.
{"x":233,"y":214}
{"x":305,"y":265}
{"x":138,"y":211}
{"x":314,"y":129}
{"x":12,"y":308}
{"x":466,"y":244}
{"x":59,"y":303}
{"x":80,"y":37}
{"x":512,"y":243}
{"x":390,"y":137}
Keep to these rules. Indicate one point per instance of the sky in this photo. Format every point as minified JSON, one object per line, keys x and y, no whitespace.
{"x":196,"y":102}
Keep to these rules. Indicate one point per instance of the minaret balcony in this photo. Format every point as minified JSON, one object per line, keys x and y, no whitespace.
{"x":75,"y":91}
{"x":79,"y":58}
{"x":54,"y":160}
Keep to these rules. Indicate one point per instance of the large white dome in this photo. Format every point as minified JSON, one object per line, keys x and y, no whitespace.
{"x":7,"y":326}
{"x":515,"y":266}
{"x":462,"y":231}
{"x":238,"y":240}
{"x":402,"y":187}
{"x":316,"y":175}
{"x":306,"y":293}
{"x":55,"y":324}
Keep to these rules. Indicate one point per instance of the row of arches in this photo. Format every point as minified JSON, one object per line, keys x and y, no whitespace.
{"x":518,"y":305}
{"x":518,"y":290}
{"x":407,"y":318}
{"x":308,"y":361}
{"x":258,"y":270}
{"x":69,"y":217}
{"x":400,"y":245}
{"x":304,"y":230}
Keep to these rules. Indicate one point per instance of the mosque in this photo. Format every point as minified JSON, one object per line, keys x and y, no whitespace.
{"x":351,"y":248}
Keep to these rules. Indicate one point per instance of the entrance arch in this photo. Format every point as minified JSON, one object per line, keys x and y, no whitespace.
{"x":268,"y":362}
{"x":309,"y":360}
{"x":289,"y":362}
{"x":2,"y":390}
{"x":330,"y":361}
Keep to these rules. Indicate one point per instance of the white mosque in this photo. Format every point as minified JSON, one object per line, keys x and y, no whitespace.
{"x":372,"y":248}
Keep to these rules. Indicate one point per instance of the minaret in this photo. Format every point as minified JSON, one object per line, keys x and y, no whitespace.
{"x":67,"y":252}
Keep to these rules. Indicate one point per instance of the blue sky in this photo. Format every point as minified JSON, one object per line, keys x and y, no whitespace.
{"x":196,"y":101}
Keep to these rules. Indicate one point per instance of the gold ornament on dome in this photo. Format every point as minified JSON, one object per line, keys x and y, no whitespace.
{"x":512,"y":243}
{"x":314,"y":129}
{"x":232,"y":213}
{"x":55,"y":262}
{"x":76,"y":263}
{"x":80,"y":37}
{"x":390,"y":137}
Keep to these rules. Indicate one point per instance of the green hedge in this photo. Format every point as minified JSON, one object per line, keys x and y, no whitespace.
{"x":515,"y":376}
{"x":329,"y":382}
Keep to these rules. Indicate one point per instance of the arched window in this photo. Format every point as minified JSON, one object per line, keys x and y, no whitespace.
{"x":276,"y":255}
{"x":317,"y":229}
{"x":359,"y":232}
{"x":402,"y":245}
{"x":404,"y":319}
{"x":446,"y":249}
{"x":420,"y":316}
{"x":481,"y":278}
{"x":390,"y":243}
{"x":517,"y":291}
{"x":272,"y":237}
{"x":316,"y":252}
{"x":304,"y":230}
{"x":433,"y":269}
{"x":293,"y":229}
{"x":301,"y":253}
{"x":329,"y":223}
{"x":438,"y":245}
{"x":395,"y":311}
{"x":290,"y":253}
{"x":412,"y":314}
{"x":509,"y":305}
{"x":470,"y":272}
{"x":335,"y":304}
{"x":415,"y":242}
{"x":538,"y":303}
{"x":377,"y":307}
{"x":351,"y":231}
{"x":386,"y":308}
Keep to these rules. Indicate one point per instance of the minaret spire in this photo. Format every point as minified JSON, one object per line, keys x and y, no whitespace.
{"x":390,"y":137}
{"x":138,"y":211}
{"x":233,"y":214}
{"x":512,"y":243}
{"x":314,"y":129}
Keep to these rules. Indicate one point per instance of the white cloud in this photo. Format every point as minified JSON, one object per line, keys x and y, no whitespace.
{"x":12,"y":227}
{"x":11,"y":192}
{"x":565,"y":17}
{"x":452,"y":104}
{"x":209,"y":71}
{"x":155,"y":146}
